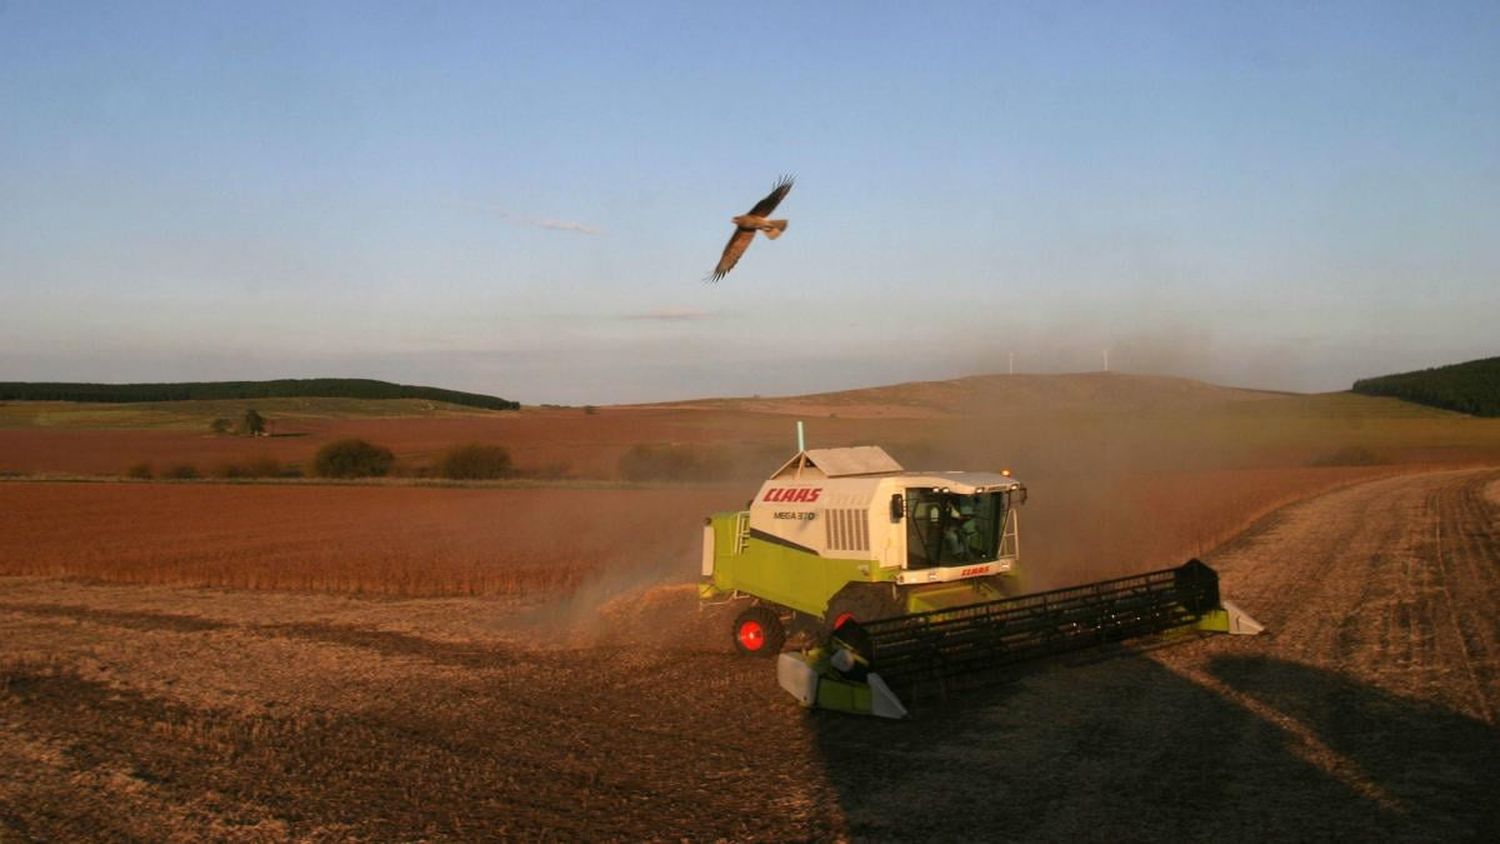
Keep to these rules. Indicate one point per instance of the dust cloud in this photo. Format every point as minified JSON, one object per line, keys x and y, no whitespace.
{"x":646,"y":593}
{"x":1126,"y":473}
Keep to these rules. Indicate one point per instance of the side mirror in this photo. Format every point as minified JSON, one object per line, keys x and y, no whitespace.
{"x":898,"y":507}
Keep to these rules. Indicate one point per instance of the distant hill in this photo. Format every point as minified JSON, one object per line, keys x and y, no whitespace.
{"x":1472,"y":387}
{"x":353,"y":388}
{"x":1001,"y":395}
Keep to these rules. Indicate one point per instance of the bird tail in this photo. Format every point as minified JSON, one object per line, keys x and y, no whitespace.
{"x":774,"y":228}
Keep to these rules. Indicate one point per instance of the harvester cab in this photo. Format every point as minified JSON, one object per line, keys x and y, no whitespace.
{"x":927,"y":566}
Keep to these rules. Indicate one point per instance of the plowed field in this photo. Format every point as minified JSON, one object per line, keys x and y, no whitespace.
{"x":413,"y":541}
{"x":396,"y":540}
{"x":1370,"y":712}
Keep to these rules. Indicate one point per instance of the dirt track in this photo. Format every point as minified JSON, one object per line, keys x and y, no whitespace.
{"x":145,"y":712}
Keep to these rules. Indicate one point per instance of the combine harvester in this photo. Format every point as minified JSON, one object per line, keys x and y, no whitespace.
{"x":899,"y":578}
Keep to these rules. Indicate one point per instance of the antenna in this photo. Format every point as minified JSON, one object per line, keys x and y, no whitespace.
{"x":1012,"y":363}
{"x":801,"y":439}
{"x":1106,"y":360}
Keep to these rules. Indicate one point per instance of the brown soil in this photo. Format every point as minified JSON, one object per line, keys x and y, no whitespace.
{"x":400,"y":540}
{"x":173,"y":713}
{"x":431,"y":541}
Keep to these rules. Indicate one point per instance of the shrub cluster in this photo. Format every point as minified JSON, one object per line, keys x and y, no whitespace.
{"x":252,"y":424}
{"x":475,"y":461}
{"x":352,"y":458}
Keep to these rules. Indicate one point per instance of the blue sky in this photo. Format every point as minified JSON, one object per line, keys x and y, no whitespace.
{"x":523,"y":200}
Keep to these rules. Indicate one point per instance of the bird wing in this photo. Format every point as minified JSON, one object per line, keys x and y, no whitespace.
{"x":773,"y":199}
{"x":738,"y":243}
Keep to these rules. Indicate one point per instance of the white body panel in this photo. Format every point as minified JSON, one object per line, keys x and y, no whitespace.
{"x":848,"y":517}
{"x":797,"y":677}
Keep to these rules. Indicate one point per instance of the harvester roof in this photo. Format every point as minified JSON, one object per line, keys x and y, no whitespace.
{"x":839,"y":463}
{"x":870,"y":461}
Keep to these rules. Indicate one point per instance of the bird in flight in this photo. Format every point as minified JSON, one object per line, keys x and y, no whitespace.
{"x":746,"y":225}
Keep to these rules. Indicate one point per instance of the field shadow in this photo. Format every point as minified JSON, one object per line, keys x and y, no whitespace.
{"x":390,"y":643}
{"x":382,"y":642}
{"x":1441,"y":767}
{"x":143,"y":621}
{"x":1127,"y":749}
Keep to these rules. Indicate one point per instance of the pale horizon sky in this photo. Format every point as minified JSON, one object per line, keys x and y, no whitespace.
{"x":523,"y":200}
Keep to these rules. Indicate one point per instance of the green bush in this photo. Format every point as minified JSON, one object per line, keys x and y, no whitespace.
{"x":181,"y":472}
{"x":139,"y":470}
{"x":352,"y":458}
{"x":252,"y":424}
{"x":475,"y":461}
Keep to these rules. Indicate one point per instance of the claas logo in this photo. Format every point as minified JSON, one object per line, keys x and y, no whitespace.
{"x":805,"y":495}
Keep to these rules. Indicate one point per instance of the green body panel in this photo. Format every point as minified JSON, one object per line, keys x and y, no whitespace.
{"x":945,"y":596}
{"x":842,"y":695}
{"x":1214,"y":621}
{"x":794,"y":578}
{"x":805,"y":582}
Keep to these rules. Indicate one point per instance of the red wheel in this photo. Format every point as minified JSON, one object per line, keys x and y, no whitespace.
{"x":758,"y":632}
{"x":751,"y":636}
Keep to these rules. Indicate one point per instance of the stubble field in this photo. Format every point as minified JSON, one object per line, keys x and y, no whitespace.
{"x":395,"y":660}
{"x":154,"y":712}
{"x":425,"y":541}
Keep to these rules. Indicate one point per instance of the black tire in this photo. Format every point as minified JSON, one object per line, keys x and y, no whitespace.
{"x":863,"y":602}
{"x":758,"y":632}
{"x":851,"y":634}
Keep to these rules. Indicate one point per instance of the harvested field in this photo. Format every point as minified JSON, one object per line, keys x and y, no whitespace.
{"x":1370,"y":712}
{"x":580,"y":444}
{"x":425,"y":541}
{"x":392,"y":661}
{"x":398,"y":540}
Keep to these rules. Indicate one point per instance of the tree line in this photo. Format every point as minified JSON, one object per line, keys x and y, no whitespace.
{"x":1472,"y":387}
{"x":351,"y":388}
